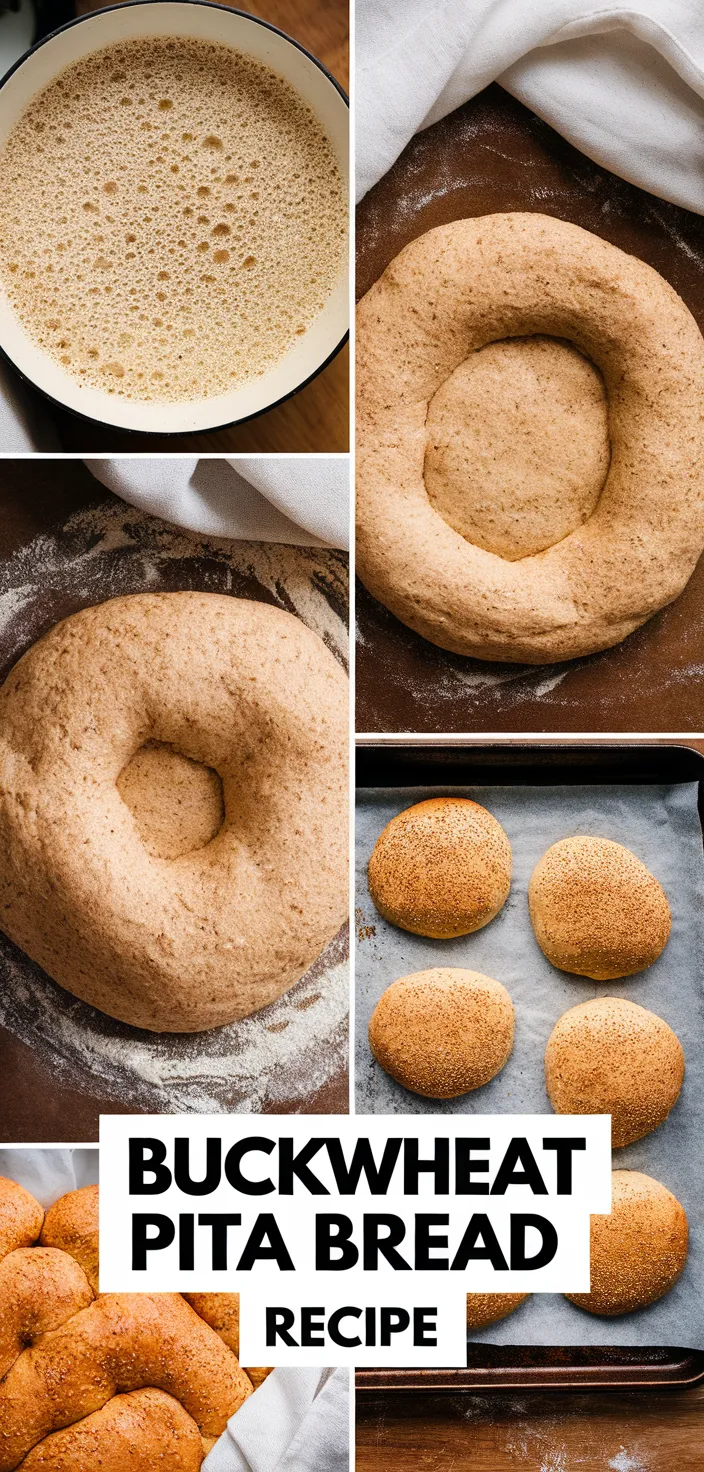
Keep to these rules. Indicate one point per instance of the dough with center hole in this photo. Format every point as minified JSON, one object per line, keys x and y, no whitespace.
{"x":449,"y":466}
{"x":518,"y":445}
{"x":191,"y":941}
{"x":194,"y":812}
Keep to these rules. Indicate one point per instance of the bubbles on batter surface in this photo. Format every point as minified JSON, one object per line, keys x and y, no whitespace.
{"x":173,"y":219}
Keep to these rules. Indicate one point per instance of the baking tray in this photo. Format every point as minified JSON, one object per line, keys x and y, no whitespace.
{"x":492,"y":155}
{"x":420,"y":762}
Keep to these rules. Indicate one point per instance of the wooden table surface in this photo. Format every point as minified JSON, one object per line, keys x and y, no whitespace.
{"x":317,"y":418}
{"x":596,"y":1432}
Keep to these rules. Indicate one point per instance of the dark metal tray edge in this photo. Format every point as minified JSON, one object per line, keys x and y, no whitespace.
{"x":683,"y":1370}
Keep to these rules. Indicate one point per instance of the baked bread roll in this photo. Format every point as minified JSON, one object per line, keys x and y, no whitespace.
{"x":71,"y":1224}
{"x":21,"y":1217}
{"x":610,"y":1056}
{"x":596,"y":910}
{"x":140,"y":1432}
{"x":639,"y":1251}
{"x":222,"y":1312}
{"x":40,"y":1289}
{"x":122,"y":1342}
{"x":442,"y":1032}
{"x":128,"y":1379}
{"x":488,"y":1308}
{"x":441,"y":868}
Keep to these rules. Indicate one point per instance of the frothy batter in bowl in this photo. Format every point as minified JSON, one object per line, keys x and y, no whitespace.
{"x":173,"y":219}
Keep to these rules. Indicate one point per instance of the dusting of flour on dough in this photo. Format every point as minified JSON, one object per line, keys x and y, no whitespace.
{"x":283,"y":1054}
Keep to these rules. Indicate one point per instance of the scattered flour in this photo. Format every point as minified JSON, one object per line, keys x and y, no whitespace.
{"x":283,"y":1054}
{"x":624,"y":1462}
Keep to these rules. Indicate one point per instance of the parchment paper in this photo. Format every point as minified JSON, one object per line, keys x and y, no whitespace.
{"x":661,"y":825}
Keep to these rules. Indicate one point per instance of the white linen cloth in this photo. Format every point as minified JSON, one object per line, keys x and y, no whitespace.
{"x":297,"y":1421}
{"x":622,"y":82}
{"x":48,"y":1174}
{"x":301,"y":500}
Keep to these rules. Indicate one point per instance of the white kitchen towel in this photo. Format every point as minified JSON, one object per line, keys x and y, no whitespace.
{"x":48,"y":1174}
{"x":26,"y":424}
{"x":297,"y":1421}
{"x":623,"y":82}
{"x":303,"y":500}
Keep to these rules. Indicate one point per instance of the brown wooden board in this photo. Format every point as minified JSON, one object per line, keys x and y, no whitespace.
{"x":65,"y":542}
{"x":594,"y":1430}
{"x":494,"y":155}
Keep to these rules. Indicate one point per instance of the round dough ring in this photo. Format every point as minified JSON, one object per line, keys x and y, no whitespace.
{"x":184,"y":944}
{"x":448,"y":294}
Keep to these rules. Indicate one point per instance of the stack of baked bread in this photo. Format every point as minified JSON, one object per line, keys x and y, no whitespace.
{"x":112,"y":1380}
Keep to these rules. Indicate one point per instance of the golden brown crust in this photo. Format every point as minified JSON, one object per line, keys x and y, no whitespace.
{"x":132,"y":1378}
{"x":21,"y":1217}
{"x":222,"y":1312}
{"x":71,"y":1224}
{"x":488,"y":1308}
{"x":504,"y":277}
{"x":610,"y":1056}
{"x":596,"y":910}
{"x":441,"y":868}
{"x":442,"y":1032}
{"x":40,"y":1289}
{"x":639,"y":1251}
{"x":258,"y":1374}
{"x":244,"y":689}
{"x":122,"y":1342}
{"x":141,"y":1431}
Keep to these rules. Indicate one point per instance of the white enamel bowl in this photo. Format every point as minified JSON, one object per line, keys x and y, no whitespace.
{"x":208,"y":22}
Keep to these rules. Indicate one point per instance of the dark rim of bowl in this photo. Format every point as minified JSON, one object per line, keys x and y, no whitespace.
{"x":245,"y":418}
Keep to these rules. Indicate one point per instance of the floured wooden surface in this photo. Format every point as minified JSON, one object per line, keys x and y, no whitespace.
{"x":601,"y":1431}
{"x":494,"y":155}
{"x":280,"y":1057}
